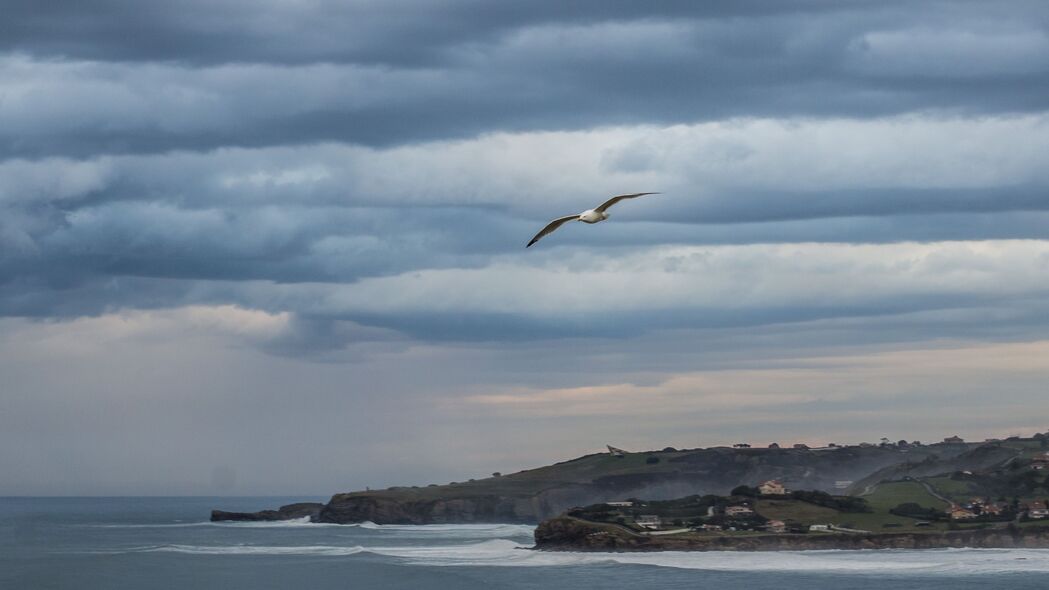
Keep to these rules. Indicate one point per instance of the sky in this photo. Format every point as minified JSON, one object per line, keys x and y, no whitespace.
{"x":277,"y":246}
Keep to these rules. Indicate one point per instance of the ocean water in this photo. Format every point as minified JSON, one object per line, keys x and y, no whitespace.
{"x":116,"y":543}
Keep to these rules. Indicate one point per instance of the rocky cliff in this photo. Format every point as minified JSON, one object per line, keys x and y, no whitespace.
{"x":287,"y":512}
{"x":569,"y":534}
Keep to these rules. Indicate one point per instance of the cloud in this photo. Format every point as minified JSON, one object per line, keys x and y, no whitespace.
{"x":391,"y":79}
{"x":665,"y":287}
{"x":244,"y":231}
{"x":889,"y":381}
{"x":959,"y":53}
{"x":339,"y":213}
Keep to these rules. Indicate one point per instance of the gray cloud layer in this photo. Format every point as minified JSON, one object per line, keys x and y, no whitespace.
{"x":232,"y":73}
{"x":345,"y":188}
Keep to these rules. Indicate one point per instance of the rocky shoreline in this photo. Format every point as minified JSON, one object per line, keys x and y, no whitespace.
{"x":565,"y":533}
{"x":309,"y":510}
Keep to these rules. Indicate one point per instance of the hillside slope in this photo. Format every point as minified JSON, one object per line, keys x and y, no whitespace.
{"x":532,"y":495}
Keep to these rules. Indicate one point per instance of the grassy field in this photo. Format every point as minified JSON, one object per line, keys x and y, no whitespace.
{"x":885,"y":497}
{"x":954,"y":489}
{"x":794,"y":510}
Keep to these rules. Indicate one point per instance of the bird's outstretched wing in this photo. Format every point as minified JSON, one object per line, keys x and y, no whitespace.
{"x":615,"y":200}
{"x":550,"y":227}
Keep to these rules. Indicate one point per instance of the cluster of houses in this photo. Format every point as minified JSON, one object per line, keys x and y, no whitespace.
{"x":975,"y":508}
{"x":740,"y":510}
{"x":978,"y":507}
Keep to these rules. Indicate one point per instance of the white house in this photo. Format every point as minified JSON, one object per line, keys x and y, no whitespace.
{"x":623,"y":504}
{"x":776,"y":526}
{"x":772,"y":487}
{"x":738,"y":510}
{"x":1038,"y":510}
{"x":648,"y":521}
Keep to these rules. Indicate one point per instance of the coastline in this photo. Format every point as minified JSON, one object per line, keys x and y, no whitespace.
{"x":565,"y":533}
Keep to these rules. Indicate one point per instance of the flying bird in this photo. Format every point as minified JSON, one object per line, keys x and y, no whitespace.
{"x":595,"y":215}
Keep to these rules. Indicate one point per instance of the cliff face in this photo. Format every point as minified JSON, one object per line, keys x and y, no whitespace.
{"x":288,"y":512}
{"x":570,"y":534}
{"x":384,"y":509}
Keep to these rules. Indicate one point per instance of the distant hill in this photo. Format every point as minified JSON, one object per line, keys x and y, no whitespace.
{"x":535,"y":494}
{"x":532,"y":495}
{"x":992,"y":495}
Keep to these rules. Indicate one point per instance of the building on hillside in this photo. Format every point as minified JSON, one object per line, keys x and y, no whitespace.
{"x":1037,"y":510}
{"x":738,"y":510}
{"x":992,"y":508}
{"x":648,"y":521}
{"x":772,"y":487}
{"x":709,"y":527}
{"x":819,"y":527}
{"x":615,"y":452}
{"x":623,"y":504}
{"x":960,"y":513}
{"x":954,"y":440}
{"x":776,"y":526}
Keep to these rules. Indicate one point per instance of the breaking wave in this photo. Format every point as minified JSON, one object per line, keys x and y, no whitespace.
{"x":450,"y":531}
{"x":262,"y":524}
{"x":507,"y":553}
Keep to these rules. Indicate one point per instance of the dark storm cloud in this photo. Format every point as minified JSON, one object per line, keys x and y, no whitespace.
{"x":175,"y":76}
{"x":128,"y":223}
{"x":206,"y":31}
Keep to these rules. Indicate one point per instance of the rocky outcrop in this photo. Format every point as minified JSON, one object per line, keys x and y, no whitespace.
{"x":565,"y":533}
{"x":384,"y":509}
{"x":287,"y":512}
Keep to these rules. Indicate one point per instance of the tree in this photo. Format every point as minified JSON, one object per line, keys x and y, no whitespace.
{"x":497,"y":474}
{"x":745,"y":490}
{"x":915,"y":510}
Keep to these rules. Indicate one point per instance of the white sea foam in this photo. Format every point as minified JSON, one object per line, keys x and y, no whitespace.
{"x":263,"y":524}
{"x":942,"y":561}
{"x":451,"y":531}
{"x":448,"y":531}
{"x":507,"y":553}
{"x":495,"y":545}
{"x":319,"y":550}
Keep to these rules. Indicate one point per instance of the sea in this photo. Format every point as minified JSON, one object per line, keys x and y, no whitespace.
{"x":144,"y":543}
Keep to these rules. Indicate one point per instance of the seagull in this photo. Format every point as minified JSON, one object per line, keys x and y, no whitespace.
{"x":595,"y":215}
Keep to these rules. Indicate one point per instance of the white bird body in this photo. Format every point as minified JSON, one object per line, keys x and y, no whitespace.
{"x":592,"y":216}
{"x":595,"y":215}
